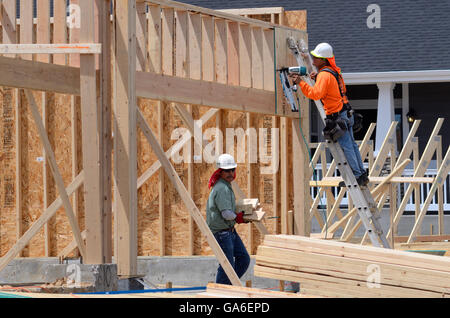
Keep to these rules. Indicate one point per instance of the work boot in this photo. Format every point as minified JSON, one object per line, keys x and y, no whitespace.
{"x":363,"y":180}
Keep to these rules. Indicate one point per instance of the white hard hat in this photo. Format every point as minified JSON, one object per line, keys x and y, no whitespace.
{"x":226,"y":161}
{"x":323,"y":50}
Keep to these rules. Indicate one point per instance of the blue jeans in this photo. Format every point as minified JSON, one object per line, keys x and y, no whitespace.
{"x":350,"y":148}
{"x":235,"y":251}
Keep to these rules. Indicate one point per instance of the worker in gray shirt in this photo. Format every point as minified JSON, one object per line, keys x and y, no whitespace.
{"x":221,"y":216}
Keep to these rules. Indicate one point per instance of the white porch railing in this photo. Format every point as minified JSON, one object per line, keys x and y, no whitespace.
{"x":411,"y":206}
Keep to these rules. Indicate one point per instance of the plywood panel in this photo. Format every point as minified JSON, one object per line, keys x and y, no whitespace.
{"x":296,"y":19}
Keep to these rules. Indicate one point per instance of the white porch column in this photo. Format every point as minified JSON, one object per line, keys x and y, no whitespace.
{"x":385,"y":113}
{"x":405,"y":110}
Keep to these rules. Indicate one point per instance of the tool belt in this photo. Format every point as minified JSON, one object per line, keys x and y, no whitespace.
{"x":335,"y":116}
{"x":335,"y":126}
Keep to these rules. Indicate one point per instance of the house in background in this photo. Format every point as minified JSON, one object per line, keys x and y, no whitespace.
{"x":394,"y":55}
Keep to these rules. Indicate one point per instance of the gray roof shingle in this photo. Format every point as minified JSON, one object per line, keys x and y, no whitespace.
{"x":414,"y":34}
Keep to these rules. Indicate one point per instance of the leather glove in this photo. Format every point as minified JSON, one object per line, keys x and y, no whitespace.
{"x":240,"y":218}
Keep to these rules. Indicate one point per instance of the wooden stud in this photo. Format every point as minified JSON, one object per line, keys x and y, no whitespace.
{"x":195,"y":46}
{"x":440,"y":189}
{"x":181,"y":52}
{"x":125,"y":140}
{"x":104,"y":34}
{"x":26,"y":25}
{"x":300,"y":160}
{"x":207,"y":48}
{"x":284,"y":174}
{"x":9,"y":24}
{"x":220,"y":51}
{"x":251,"y":174}
{"x":43,"y":36}
{"x":161,"y":184}
{"x":233,"y":53}
{"x":167,"y":43}
{"x":276,"y":180}
{"x":141,"y":36}
{"x":245,"y":56}
{"x":59,"y":28}
{"x":167,"y":47}
{"x":91,"y":142}
{"x":154,"y":39}
{"x":191,"y":186}
{"x":268,"y":60}
{"x":74,"y":32}
{"x":257,"y":58}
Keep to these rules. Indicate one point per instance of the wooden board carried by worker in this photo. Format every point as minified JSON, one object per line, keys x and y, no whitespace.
{"x":256,"y":216}
{"x":247,"y":205}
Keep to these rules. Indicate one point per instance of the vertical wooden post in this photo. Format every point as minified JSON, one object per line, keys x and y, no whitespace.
{"x":207,"y":48}
{"x":104,"y":37}
{"x":161,"y":183}
{"x":59,"y":29}
{"x":284,"y":175}
{"x":75,"y":103}
{"x":26,"y":37}
{"x":9,"y":33}
{"x":167,"y":68}
{"x":300,"y":129}
{"x":125,"y":144}
{"x":440,"y":189}
{"x":194,"y":26}
{"x":43,"y":36}
{"x":91,"y":143}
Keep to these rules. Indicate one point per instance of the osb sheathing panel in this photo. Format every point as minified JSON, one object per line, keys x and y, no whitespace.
{"x":32,"y":167}
{"x":176,"y":216}
{"x":176,"y":231}
{"x":8,"y":170}
{"x":296,"y":19}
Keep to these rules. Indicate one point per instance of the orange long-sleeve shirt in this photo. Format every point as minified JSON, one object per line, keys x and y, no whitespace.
{"x":325,"y":89}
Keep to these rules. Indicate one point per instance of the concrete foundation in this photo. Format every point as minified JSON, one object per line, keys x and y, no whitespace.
{"x":55,"y":277}
{"x":154,"y":272}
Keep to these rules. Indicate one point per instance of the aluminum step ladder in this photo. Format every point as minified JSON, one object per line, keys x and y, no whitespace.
{"x":361,"y":196}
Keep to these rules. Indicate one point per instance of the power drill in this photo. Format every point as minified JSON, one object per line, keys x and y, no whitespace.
{"x":287,"y":88}
{"x":299,"y":70}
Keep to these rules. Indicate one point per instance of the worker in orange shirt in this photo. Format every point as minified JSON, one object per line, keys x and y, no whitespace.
{"x":330,"y":89}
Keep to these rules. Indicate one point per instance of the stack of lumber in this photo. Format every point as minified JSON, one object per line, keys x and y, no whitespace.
{"x":337,"y":269}
{"x":229,"y":291}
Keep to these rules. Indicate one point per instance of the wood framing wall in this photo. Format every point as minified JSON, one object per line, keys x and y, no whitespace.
{"x":84,"y":134}
{"x":197,"y":49}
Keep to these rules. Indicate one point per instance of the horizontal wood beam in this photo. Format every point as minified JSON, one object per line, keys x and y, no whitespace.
{"x":334,"y":181}
{"x":66,"y":80}
{"x":215,"y":13}
{"x":39,"y":76}
{"x":82,"y":48}
{"x":254,"y":11}
{"x":205,"y":93}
